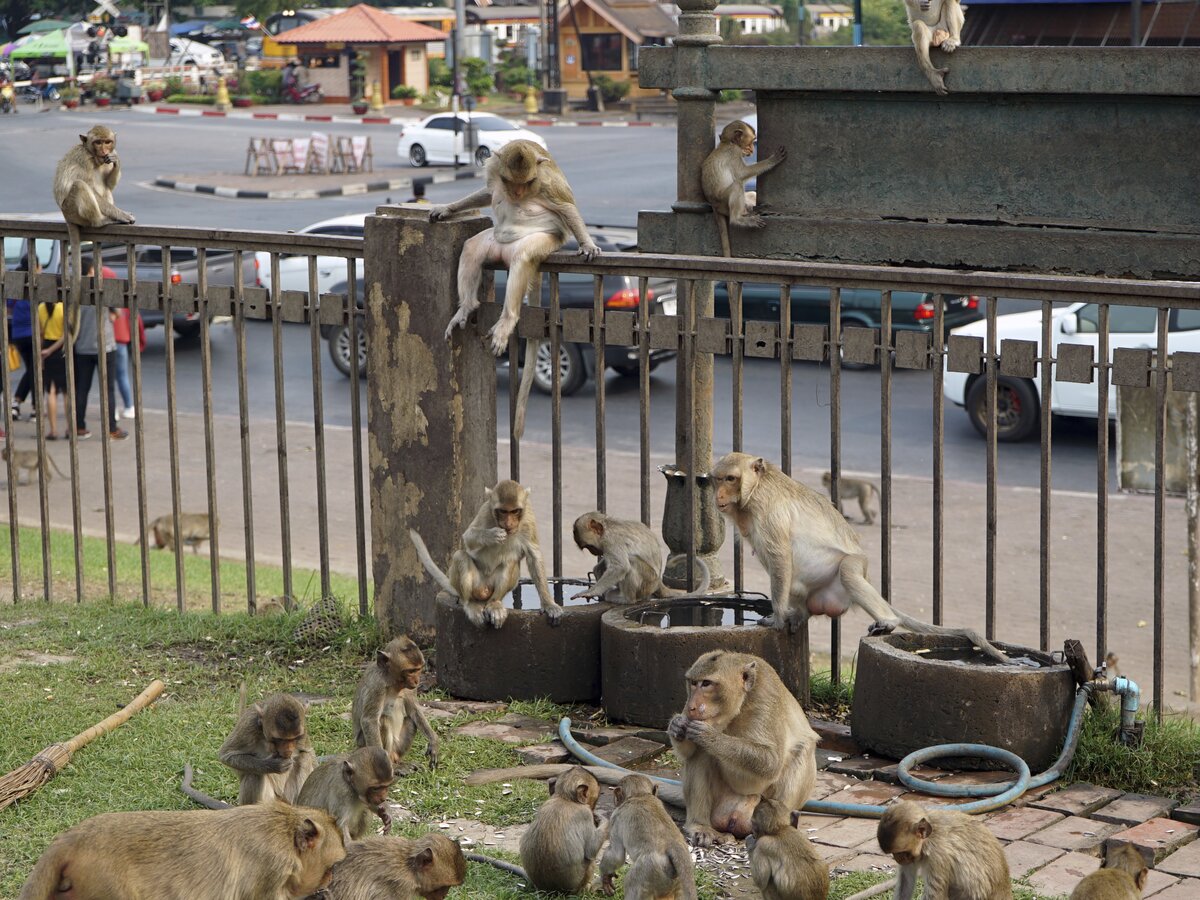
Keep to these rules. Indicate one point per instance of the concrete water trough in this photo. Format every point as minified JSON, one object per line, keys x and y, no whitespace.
{"x":913,"y":691}
{"x":647,"y":647}
{"x":526,"y":658}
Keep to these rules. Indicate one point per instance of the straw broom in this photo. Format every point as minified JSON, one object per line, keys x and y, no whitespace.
{"x":20,"y":783}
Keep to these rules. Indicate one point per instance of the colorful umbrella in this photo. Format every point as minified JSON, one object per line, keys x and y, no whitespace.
{"x":51,"y":44}
{"x":127,"y":45}
{"x":44,"y":25}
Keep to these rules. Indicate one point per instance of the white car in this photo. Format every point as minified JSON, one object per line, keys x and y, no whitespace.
{"x":185,"y":52}
{"x":1018,"y":400}
{"x":437,"y":138}
{"x":332,"y":271}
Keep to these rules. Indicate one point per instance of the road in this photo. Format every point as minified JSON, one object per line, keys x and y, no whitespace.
{"x":594,"y":159}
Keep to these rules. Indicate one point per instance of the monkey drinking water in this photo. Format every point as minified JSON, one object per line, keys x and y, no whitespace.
{"x":723,"y":177}
{"x":630,"y":560}
{"x":935,"y":23}
{"x":814,"y":559}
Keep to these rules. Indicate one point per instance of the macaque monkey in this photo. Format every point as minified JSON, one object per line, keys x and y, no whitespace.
{"x":1122,"y":878}
{"x":630,"y":560}
{"x":352,"y":788}
{"x":723,"y":178}
{"x":813,"y":557}
{"x":535,"y":213}
{"x":560,"y":848}
{"x":395,"y":868}
{"x":954,"y":853}
{"x":488,"y":564}
{"x":29,"y":461}
{"x":660,"y":862}
{"x":783,"y":863}
{"x":742,"y":736}
{"x":83,"y":189}
{"x":271,"y":851}
{"x":385,"y":711}
{"x":193,"y":528}
{"x":858,"y":489}
{"x":935,"y":23}
{"x":270,"y":750}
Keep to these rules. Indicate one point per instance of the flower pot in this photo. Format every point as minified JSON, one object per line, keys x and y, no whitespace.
{"x":71,"y":104}
{"x":103,"y":101}
{"x":242,"y":102}
{"x":154,"y":96}
{"x":409,"y":101}
{"x":360,"y":109}
{"x":479,"y":101}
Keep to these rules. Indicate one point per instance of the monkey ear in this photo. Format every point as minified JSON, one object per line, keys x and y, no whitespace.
{"x":795,"y":817}
{"x":382,"y":659}
{"x":551,"y":784}
{"x":759,"y":466}
{"x":348,"y":770}
{"x":581,"y":793}
{"x":596,"y":527}
{"x":307,"y":835}
{"x":83,"y":139}
{"x":422,"y":859}
{"x":1141,"y":878}
{"x":654,"y":788}
{"x":749,"y":676}
{"x":923,"y":828}
{"x":619,"y":794}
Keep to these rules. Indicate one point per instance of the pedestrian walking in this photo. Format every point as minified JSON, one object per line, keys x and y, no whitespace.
{"x":54,"y":364}
{"x":94,"y":328}
{"x":21,"y":336}
{"x":123,"y":334}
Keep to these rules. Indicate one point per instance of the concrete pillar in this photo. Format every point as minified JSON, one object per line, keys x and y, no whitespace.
{"x":431,"y":407}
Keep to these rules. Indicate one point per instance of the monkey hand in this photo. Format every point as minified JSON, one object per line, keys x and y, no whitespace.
{"x":495,"y":535}
{"x":553,"y":614}
{"x":949,"y":45}
{"x":439,"y":213}
{"x":697,"y":732}
{"x":750,"y":842}
{"x":590,"y":594}
{"x":606,"y":886}
{"x":277,"y":765}
{"x":588,"y":250}
{"x":458,"y":321}
{"x":431,"y":754}
{"x":780,"y":154}
{"x":704,"y":836}
{"x":384,"y":816}
{"x":677,"y":727}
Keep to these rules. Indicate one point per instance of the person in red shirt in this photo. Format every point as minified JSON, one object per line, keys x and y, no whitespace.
{"x":123,"y":335}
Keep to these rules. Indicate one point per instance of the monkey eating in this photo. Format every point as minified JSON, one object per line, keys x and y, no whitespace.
{"x":723,"y":177}
{"x":815,"y":562}
{"x":385,"y":710}
{"x":630,"y":560}
{"x":783,"y":863}
{"x":660,"y":863}
{"x":560,"y":848}
{"x":29,"y":462}
{"x":742,"y":736}
{"x":535,"y":214}
{"x":270,"y":750}
{"x":352,"y":788}
{"x":84,"y":182}
{"x":194,"y":529}
{"x":271,"y":851}
{"x":488,"y":564}
{"x":395,"y":868}
{"x":1122,"y":878}
{"x":935,"y":23}
{"x":858,"y":489}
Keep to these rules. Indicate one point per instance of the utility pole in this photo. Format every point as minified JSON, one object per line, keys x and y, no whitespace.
{"x":1192,"y":505}
{"x":858,"y":23}
{"x":460,"y":25}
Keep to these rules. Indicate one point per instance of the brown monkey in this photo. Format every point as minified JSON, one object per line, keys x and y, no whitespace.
{"x":395,"y":868}
{"x":1122,"y":878}
{"x":660,"y":862}
{"x":783,"y":863}
{"x":271,"y":851}
{"x":934,"y":23}
{"x":385,"y":711}
{"x":858,"y":489}
{"x":630,"y":560}
{"x":29,"y":461}
{"x":560,"y":848}
{"x":741,"y":736}
{"x":723,"y":179}
{"x":814,"y":559}
{"x":194,"y":528}
{"x":83,"y":184}
{"x":352,"y":788}
{"x":535,"y":213}
{"x":488,"y":564}
{"x":270,"y":750}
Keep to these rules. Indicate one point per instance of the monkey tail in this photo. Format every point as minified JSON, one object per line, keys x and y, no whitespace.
{"x":430,"y":566}
{"x":875,"y":891}
{"x":499,"y":864}
{"x":202,"y":799}
{"x":54,"y":466}
{"x":681,"y":859}
{"x":71,"y":320}
{"x":531,"y":351}
{"x":701,"y":590}
{"x":919,"y":627}
{"x":723,"y":231}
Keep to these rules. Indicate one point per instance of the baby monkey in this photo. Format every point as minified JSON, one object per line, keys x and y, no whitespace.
{"x":1122,"y":878}
{"x":723,"y":178}
{"x":29,"y":461}
{"x":385,"y":712}
{"x":353,"y":788}
{"x":783,"y":863}
{"x":660,"y":862}
{"x":630,"y":560}
{"x":858,"y":489}
{"x":560,"y":848}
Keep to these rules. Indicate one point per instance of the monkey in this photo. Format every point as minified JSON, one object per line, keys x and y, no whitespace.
{"x":271,"y":851}
{"x":270,"y":750}
{"x":723,"y":178}
{"x":385,"y":710}
{"x":488,"y":564}
{"x":29,"y":461}
{"x":203,"y":799}
{"x":560,"y":848}
{"x":858,"y":489}
{"x":194,"y":528}
{"x":535,"y":213}
{"x":954,"y":853}
{"x":395,"y":868}
{"x":935,"y":23}
{"x":783,"y":863}
{"x":276,"y":606}
{"x":352,"y":787}
{"x":1122,"y":878}
{"x":640,"y":827}
{"x":814,"y":559}
{"x":84,"y":182}
{"x":630,"y":560}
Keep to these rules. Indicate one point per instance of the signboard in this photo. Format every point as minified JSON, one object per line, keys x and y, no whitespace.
{"x":324,"y":61}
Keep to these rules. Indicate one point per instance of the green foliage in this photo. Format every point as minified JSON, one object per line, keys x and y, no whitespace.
{"x":103,"y":87}
{"x":611,"y":91}
{"x":265,"y":83}
{"x":479,"y":80}
{"x":729,"y":96}
{"x":199,"y":99}
{"x":884,"y":24}
{"x":358,"y":74}
{"x":1165,"y":764}
{"x":404,"y":92}
{"x":440,"y":74}
{"x":18,"y":13}
{"x":511,"y":72}
{"x":173,"y":85}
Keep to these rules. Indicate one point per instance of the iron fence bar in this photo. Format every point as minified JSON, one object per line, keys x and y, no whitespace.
{"x":239,"y":333}
{"x":39,"y":387}
{"x":736,"y":327}
{"x":785,"y":377}
{"x":643,"y":315}
{"x":1160,"y":507}
{"x":14,"y":529}
{"x":989,"y":579}
{"x":1102,"y":488}
{"x":210,"y":453}
{"x":937,"y":363}
{"x":598,"y":355}
{"x":835,"y":455}
{"x":556,"y":425}
{"x":314,"y":347}
{"x":70,"y":316}
{"x":1046,"y":461}
{"x":360,"y":517}
{"x":885,"y":443}
{"x":689,"y":406}
{"x":106,"y":415}
{"x":173,"y":429}
{"x":285,"y":518}
{"x":139,"y":436}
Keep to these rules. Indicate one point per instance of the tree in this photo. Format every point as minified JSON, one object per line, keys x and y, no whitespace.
{"x":884,"y":24}
{"x":16,"y":14}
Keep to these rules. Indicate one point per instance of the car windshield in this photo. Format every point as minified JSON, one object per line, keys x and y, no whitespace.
{"x":493,"y":123}
{"x":15,"y":247}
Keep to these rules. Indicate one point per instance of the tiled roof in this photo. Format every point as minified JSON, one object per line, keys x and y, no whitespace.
{"x":362,"y":24}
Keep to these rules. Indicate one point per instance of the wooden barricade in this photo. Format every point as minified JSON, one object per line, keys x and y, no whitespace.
{"x":259,"y":159}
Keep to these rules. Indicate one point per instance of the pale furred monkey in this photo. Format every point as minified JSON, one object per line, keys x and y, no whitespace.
{"x":723,"y":177}
{"x":935,"y":23}
{"x":29,"y":461}
{"x":630,"y":561}
{"x":858,"y":489}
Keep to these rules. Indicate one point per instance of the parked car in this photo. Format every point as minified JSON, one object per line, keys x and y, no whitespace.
{"x":438,"y":138}
{"x":1019,"y":400}
{"x":331,"y":270}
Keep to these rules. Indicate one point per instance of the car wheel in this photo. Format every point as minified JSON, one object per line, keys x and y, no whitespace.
{"x":1016,"y":408}
{"x":629,"y":370}
{"x":188,"y":330}
{"x":416,"y":156}
{"x":570,"y":366}
{"x":339,"y":351}
{"x":482,"y":155}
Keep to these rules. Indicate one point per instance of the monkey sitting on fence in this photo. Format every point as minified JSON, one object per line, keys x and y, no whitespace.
{"x":935,"y":23}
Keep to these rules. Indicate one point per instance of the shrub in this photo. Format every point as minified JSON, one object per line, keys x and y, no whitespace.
{"x":404,"y":92}
{"x":203,"y":99}
{"x":729,"y":96}
{"x":440,"y":74}
{"x":611,"y":91}
{"x":479,"y":80}
{"x":103,"y":87}
{"x":173,"y":86}
{"x":265,"y":83}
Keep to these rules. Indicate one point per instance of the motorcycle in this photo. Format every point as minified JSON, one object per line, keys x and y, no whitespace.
{"x":8,"y":98}
{"x":302,"y":93}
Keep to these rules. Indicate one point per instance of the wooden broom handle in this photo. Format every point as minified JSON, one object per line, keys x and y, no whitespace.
{"x":144,"y":699}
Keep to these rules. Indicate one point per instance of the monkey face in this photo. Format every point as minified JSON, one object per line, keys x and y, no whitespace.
{"x":285,"y":747}
{"x":729,"y":491}
{"x":509,"y":517}
{"x":924,"y":4}
{"x":100,"y":143}
{"x":412,"y":677}
{"x":704,"y":700}
{"x":377,"y":794}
